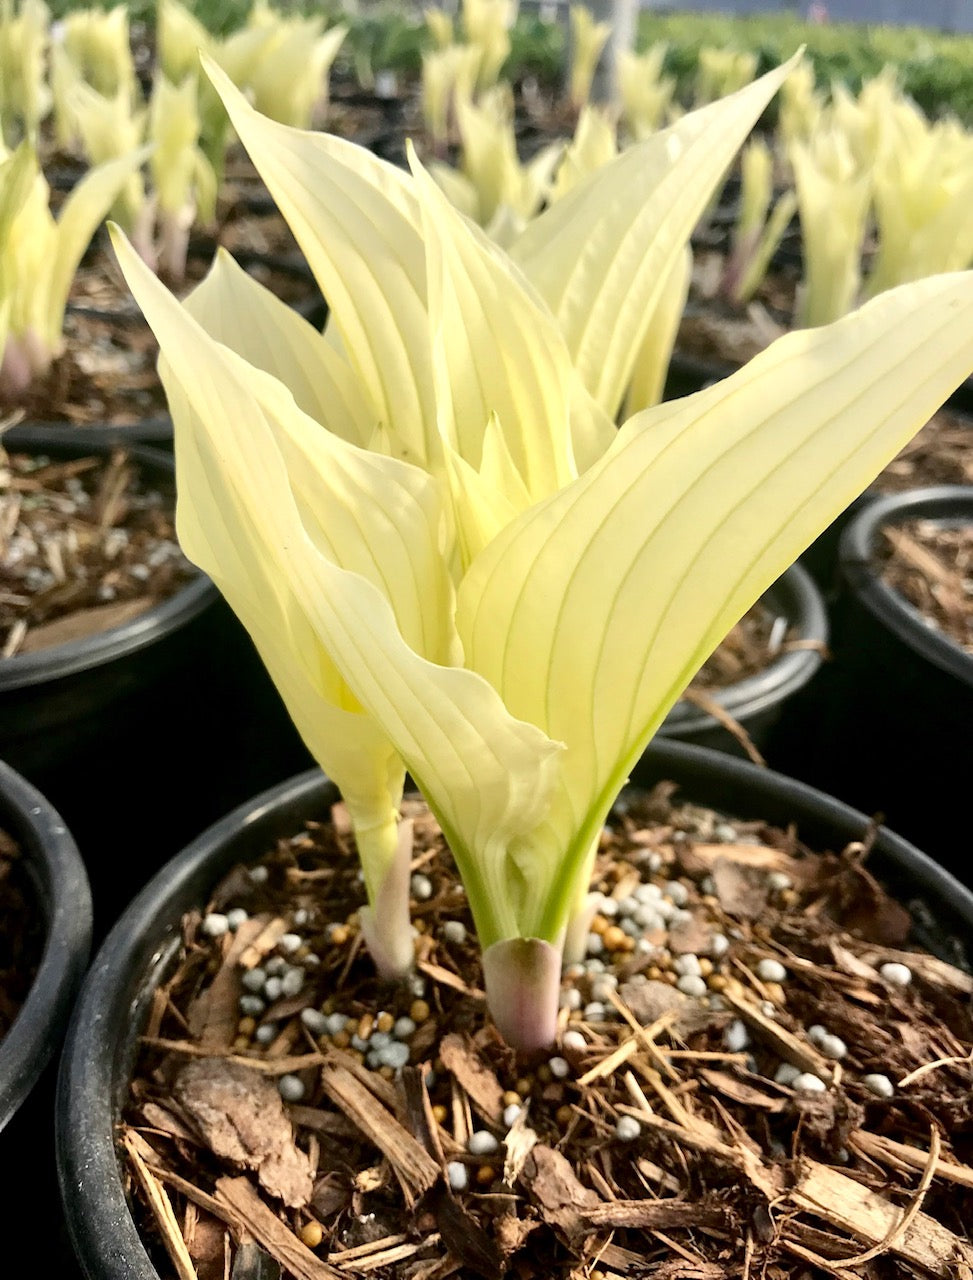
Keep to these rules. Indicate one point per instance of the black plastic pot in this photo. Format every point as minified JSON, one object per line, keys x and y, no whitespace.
{"x":888,"y":722}
{"x":28,"y":1051}
{"x":58,"y":703}
{"x":758,"y":702}
{"x":143,"y":734}
{"x":137,"y":954}
{"x":62,"y":897}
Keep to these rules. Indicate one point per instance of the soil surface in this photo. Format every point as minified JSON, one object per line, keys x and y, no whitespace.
{"x":942,"y":453}
{"x":753,"y":1076}
{"x":932,"y":566}
{"x":86,"y":544}
{"x":21,"y":933}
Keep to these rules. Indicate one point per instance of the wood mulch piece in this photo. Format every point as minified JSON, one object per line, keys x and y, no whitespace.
{"x":729,"y":1169}
{"x":931,"y":564}
{"x":21,"y":932}
{"x":85,"y":545}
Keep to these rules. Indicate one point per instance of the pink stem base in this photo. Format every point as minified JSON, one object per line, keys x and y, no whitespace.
{"x":523,"y":983}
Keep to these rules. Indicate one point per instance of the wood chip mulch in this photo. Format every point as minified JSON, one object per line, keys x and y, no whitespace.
{"x":666,"y":1137}
{"x":106,"y":373}
{"x":21,"y":932}
{"x":86,"y":544}
{"x":931,"y":565}
{"x":942,"y":453}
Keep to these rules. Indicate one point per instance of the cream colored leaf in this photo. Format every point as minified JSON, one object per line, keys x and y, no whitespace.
{"x":652,"y":363}
{"x":600,"y":256}
{"x":356,"y":219}
{"x":241,"y":313}
{"x":523,"y":377}
{"x":593,"y":611}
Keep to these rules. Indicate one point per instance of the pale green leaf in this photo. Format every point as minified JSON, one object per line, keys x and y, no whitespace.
{"x":652,"y":362}
{"x":593,"y":611}
{"x":238,"y":311}
{"x":523,"y":376}
{"x":600,"y":257}
{"x":356,"y":219}
{"x":79,"y":219}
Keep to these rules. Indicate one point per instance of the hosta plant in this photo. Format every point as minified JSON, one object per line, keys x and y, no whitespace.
{"x":922,"y":184}
{"x":38,"y":258}
{"x":289,"y":79}
{"x":451,"y":559}
{"x":759,"y":226}
{"x":588,"y":40}
{"x":97,"y":45}
{"x":721,"y":71}
{"x":457,"y":71}
{"x":833,"y":200}
{"x":644,"y":92}
{"x":158,"y":216}
{"x":25,"y":98}
{"x":492,"y":185}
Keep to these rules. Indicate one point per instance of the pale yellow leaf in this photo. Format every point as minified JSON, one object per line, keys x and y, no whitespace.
{"x":592,"y":612}
{"x":238,"y":311}
{"x":601,"y":256}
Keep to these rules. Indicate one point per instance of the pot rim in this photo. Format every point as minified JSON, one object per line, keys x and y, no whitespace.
{"x":948,"y":503}
{"x":797,"y":598}
{"x":64,"y":898}
{"x":94,"y":1070}
{"x":47,"y":665}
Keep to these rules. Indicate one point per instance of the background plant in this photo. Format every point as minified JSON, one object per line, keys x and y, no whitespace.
{"x":39,"y":256}
{"x":25,"y":98}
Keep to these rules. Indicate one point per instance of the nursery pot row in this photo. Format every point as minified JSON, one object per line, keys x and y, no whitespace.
{"x":137,"y":956}
{"x":886,"y":724}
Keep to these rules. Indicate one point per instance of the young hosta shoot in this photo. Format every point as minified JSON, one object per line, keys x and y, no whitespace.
{"x":448,"y":555}
{"x":183,"y":179}
{"x":440,"y":27}
{"x":25,"y":98}
{"x":800,"y":107}
{"x":109,"y":127}
{"x":98,"y":46}
{"x":720,"y":72}
{"x":645,"y":93}
{"x":288,"y":81}
{"x":588,"y":40}
{"x":448,"y":75}
{"x":833,"y":199}
{"x":492,"y":186}
{"x":923,"y":198}
{"x":39,"y":256}
{"x":486,"y":24}
{"x":755,"y":235}
{"x":595,"y":144}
